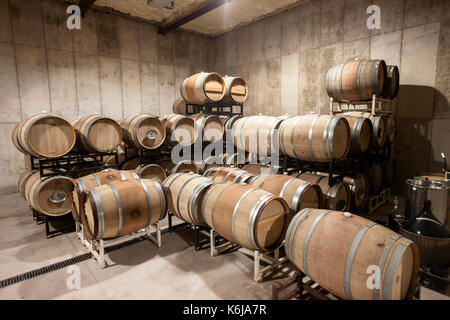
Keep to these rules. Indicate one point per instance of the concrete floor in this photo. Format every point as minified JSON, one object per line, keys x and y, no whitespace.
{"x":137,"y":271}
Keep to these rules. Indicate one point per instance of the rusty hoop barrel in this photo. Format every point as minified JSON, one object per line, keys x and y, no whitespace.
{"x":202,"y":88}
{"x":335,"y":249}
{"x":318,"y":138}
{"x":143,"y":131}
{"x":356,"y":80}
{"x":227,"y":174}
{"x":151,"y":171}
{"x":97,"y":179}
{"x":298,"y":194}
{"x":209,"y":127}
{"x":185,"y":192}
{"x":122,"y":207}
{"x":379,"y":126}
{"x":179,"y":130}
{"x":97,"y":133}
{"x":44,"y":135}
{"x":392,"y":82}
{"x":359,"y":188}
{"x":248,"y":216}
{"x":236,"y":90}
{"x":336,"y":197}
{"x":50,"y":196}
{"x":179,"y":106}
{"x":361,"y":134}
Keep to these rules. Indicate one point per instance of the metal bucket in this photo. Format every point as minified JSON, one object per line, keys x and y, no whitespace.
{"x":420,"y":189}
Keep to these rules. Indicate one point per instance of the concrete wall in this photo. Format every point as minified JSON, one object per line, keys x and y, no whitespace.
{"x":113,"y":65}
{"x":285,"y":59}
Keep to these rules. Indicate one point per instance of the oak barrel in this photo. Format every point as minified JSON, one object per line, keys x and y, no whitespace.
{"x":257,"y":134}
{"x":151,"y":171}
{"x":257,"y":169}
{"x":391,"y":128}
{"x":208,"y":163}
{"x":97,"y":133}
{"x":122,"y":207}
{"x":185,"y":192}
{"x":375,"y":178}
{"x":359,"y":187}
{"x":202,"y":88}
{"x":248,"y":216}
{"x":50,"y":196}
{"x":23,"y":180}
{"x":356,"y":80}
{"x":179,"y":130}
{"x":361,"y":134}
{"x":236,"y":90}
{"x":392,"y":82}
{"x":131,"y":164}
{"x":209,"y":127}
{"x":298,"y":194}
{"x":143,"y":131}
{"x":318,"y":138}
{"x":379,"y":126}
{"x":179,"y":106}
{"x":228,"y":174}
{"x":185,"y":166}
{"x":336,"y":197}
{"x":91,"y":181}
{"x":341,"y":252}
{"x":44,"y":135}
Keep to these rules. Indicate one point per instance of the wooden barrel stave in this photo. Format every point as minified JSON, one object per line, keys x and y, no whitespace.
{"x":379,"y":126}
{"x":209,"y":127}
{"x":151,"y":171}
{"x":236,"y":90}
{"x":202,"y":88}
{"x":179,"y":130}
{"x":361,"y":134}
{"x":359,"y":188}
{"x":179,"y":106}
{"x":228,"y":174}
{"x":143,"y":132}
{"x":392,"y":83}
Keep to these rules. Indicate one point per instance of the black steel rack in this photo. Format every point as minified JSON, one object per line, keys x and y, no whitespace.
{"x":214,"y":108}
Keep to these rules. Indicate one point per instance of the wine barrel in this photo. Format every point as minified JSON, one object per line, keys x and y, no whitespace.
{"x":236,"y":90}
{"x":256,"y":134}
{"x":185,"y":166}
{"x":202,"y":88}
{"x":23,"y":180}
{"x":131,"y":164}
{"x":359,"y":187}
{"x":248,"y":216}
{"x":375,"y":178}
{"x":98,"y":134}
{"x":336,"y":197}
{"x":91,"y":181}
{"x":167,"y":166}
{"x":44,"y":135}
{"x":356,"y":80}
{"x":179,"y":130}
{"x":185,"y":192}
{"x":208,"y":163}
{"x":209,"y":127}
{"x":388,"y":172}
{"x":122,"y":207}
{"x":378,"y":123}
{"x":361,"y":134}
{"x":229,"y":121}
{"x":257,"y":169}
{"x":336,"y":249}
{"x":151,"y":171}
{"x":318,"y":138}
{"x":50,"y":196}
{"x":143,"y":131}
{"x":392,"y":82}
{"x":391,"y":128}
{"x":228,"y":174}
{"x":179,"y":106}
{"x":298,"y":194}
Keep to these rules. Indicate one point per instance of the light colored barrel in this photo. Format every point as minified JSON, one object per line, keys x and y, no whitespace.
{"x":228,"y":174}
{"x":179,"y":106}
{"x":298,"y":193}
{"x":228,"y":121}
{"x":318,"y":138}
{"x":208,"y":163}
{"x":248,"y":216}
{"x":336,"y":250}
{"x":23,"y":180}
{"x":210,"y":127}
{"x":202,"y":88}
{"x":336,"y":197}
{"x":388,"y":172}
{"x":375,"y":178}
{"x":44,"y":135}
{"x":152,"y":171}
{"x":392,"y":82}
{"x":361,"y":134}
{"x":185,"y":192}
{"x":179,"y":130}
{"x":379,"y":126}
{"x":257,"y":169}
{"x":122,"y":207}
{"x":143,"y":131}
{"x":50,"y":196}
{"x":97,"y":133}
{"x":88,"y":182}
{"x":131,"y":164}
{"x":359,"y":187}
{"x":185,"y":166}
{"x":257,"y":134}
{"x":356,"y":80}
{"x":236,"y":90}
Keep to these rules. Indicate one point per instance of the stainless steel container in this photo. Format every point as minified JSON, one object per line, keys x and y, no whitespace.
{"x":420,"y":189}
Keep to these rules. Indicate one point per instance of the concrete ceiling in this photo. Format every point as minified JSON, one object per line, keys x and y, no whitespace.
{"x":218,"y":21}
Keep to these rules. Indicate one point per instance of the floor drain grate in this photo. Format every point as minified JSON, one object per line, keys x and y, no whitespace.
{"x":44,"y":270}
